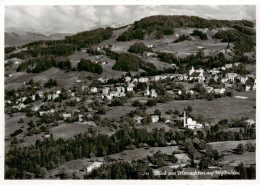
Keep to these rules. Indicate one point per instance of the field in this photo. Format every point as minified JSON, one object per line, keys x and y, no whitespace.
{"x":216,"y":110}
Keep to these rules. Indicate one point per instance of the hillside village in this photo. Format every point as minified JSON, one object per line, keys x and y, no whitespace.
{"x":174,"y":98}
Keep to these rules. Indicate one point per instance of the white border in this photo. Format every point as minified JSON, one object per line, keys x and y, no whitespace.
{"x":122,"y":2}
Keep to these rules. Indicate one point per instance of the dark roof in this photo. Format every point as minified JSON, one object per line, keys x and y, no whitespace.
{"x":195,"y":74}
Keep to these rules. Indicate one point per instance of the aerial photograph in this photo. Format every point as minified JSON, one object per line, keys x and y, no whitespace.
{"x":130,"y":92}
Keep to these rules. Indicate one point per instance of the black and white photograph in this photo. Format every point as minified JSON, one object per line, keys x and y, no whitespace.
{"x":130,"y":92}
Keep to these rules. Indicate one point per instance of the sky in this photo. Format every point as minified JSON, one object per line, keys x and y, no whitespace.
{"x":73,"y":19}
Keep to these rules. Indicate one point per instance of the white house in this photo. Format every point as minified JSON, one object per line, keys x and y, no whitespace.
{"x":155,"y":118}
{"x":147,"y":93}
{"x":93,"y":90}
{"x":65,"y":116}
{"x":127,"y":79}
{"x":138,"y":119}
{"x":153,"y":93}
{"x":231,"y":76}
{"x":142,"y":80}
{"x":219,"y":91}
{"x":130,"y":87}
{"x":209,"y":89}
{"x":228,"y":66}
{"x":224,"y":80}
{"x":248,"y":87}
{"x":105,"y":90}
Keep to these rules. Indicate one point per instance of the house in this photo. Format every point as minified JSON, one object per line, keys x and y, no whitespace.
{"x":214,"y":71}
{"x":182,"y":158}
{"x":228,"y":66}
{"x":149,"y":54}
{"x":138,"y":119}
{"x":80,"y":118}
{"x":147,"y":93}
{"x":190,"y":91}
{"x":127,"y":79}
{"x":223,"y":68}
{"x":224,"y":80}
{"x":236,"y":64}
{"x":65,"y":116}
{"x":105,"y":90}
{"x":143,"y":80}
{"x":33,"y":97}
{"x":20,"y":106}
{"x":209,"y":89}
{"x":153,"y":93}
{"x":231,"y":76}
{"x":93,"y":90}
{"x":36,"y":108}
{"x":219,"y":91}
{"x":242,"y":79}
{"x":58,"y":92}
{"x":102,"y":80}
{"x":78,"y":81}
{"x":114,"y":94}
{"x":84,"y":87}
{"x":130,"y":87}
{"x":155,"y":118}
{"x":228,"y":85}
{"x":40,"y":94}
{"x":250,"y":122}
{"x":183,"y":77}
{"x":93,"y":166}
{"x":54,"y":96}
{"x":248,"y":87}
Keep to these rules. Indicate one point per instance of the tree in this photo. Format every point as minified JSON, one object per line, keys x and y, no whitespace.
{"x":240,"y":148}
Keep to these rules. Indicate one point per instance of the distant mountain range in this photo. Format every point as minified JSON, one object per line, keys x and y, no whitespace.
{"x":19,"y":37}
{"x":16,"y":37}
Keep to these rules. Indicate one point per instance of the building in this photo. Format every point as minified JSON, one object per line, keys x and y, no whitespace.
{"x":155,"y":118}
{"x":219,"y":91}
{"x":127,"y":79}
{"x":138,"y":119}
{"x":248,"y":87}
{"x":147,"y":93}
{"x":130,"y":87}
{"x":228,"y":66}
{"x":231,"y":76}
{"x":93,"y":90}
{"x":153,"y":93}
{"x":105,"y":90}
{"x":189,"y":123}
{"x":143,"y":80}
{"x":197,"y":75}
{"x":65,"y":116}
{"x":209,"y":89}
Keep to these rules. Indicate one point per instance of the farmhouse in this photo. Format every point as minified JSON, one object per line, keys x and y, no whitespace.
{"x":93,"y":90}
{"x":153,"y":93}
{"x":65,"y":116}
{"x":219,"y":91}
{"x":231,"y":76}
{"x":138,"y":119}
{"x":155,"y":118}
{"x":105,"y":90}
{"x":130,"y":87}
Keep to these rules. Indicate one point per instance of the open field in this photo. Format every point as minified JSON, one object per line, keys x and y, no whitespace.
{"x":228,"y":145}
{"x":216,"y":110}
